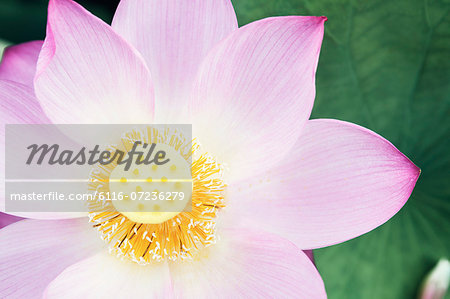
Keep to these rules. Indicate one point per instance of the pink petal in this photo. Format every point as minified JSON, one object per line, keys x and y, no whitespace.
{"x":87,"y":73}
{"x":19,"y":62}
{"x":174,"y":37}
{"x":248,"y":264}
{"x":309,"y":254}
{"x":19,"y":106}
{"x":106,"y":276}
{"x":46,"y":215}
{"x":340,"y":181}
{"x":6,"y":219}
{"x":256,"y":90}
{"x":36,"y":251}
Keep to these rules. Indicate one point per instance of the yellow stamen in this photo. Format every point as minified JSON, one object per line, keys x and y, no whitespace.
{"x":182,"y":233}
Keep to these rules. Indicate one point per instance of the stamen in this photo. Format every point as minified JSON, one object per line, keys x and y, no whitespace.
{"x":180,"y":236}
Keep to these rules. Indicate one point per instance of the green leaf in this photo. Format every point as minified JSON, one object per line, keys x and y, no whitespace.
{"x":385,"y":65}
{"x":3,"y":45}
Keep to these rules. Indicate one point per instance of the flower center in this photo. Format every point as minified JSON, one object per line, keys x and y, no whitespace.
{"x":152,"y":194}
{"x":163,"y":214}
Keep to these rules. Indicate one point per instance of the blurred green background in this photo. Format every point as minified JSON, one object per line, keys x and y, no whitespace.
{"x":384,"y":65}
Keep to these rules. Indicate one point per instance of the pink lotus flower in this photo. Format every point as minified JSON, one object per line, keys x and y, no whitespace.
{"x":436,"y":283}
{"x":293,"y":183}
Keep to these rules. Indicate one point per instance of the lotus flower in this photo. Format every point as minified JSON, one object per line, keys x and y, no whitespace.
{"x":293,"y":184}
{"x":435,"y":285}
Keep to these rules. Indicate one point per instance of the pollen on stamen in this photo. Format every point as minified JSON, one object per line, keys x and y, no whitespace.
{"x":180,"y":237}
